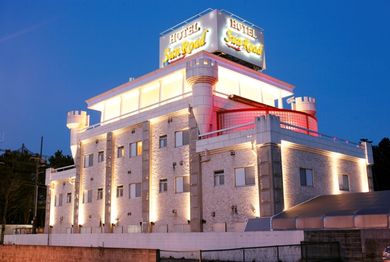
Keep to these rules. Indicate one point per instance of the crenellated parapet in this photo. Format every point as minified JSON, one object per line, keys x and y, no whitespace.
{"x":77,"y":119}
{"x":202,"y":70}
{"x":304,"y":104}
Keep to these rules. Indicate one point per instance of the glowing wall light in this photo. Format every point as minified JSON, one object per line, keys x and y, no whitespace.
{"x":285,"y":154}
{"x":363,"y":175}
{"x":334,"y":162}
{"x":52,"y":207}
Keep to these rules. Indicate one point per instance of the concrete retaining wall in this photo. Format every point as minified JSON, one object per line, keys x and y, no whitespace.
{"x":164,"y":241}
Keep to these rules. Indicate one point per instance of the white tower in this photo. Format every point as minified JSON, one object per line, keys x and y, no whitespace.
{"x":304,"y":104}
{"x":202,"y":74}
{"x":76,"y":121}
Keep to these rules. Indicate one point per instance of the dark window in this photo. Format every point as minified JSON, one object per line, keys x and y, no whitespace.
{"x":163,"y":185}
{"x":163,"y":141}
{"x":219,"y":178}
{"x":306,"y":176}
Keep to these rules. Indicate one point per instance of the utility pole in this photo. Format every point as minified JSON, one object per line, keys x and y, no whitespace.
{"x":37,"y":168}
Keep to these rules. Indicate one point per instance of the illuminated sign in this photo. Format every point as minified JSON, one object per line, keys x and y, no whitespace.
{"x":216,"y":32}
{"x":184,"y":49}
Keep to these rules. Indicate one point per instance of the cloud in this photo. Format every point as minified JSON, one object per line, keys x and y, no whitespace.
{"x":24,"y":31}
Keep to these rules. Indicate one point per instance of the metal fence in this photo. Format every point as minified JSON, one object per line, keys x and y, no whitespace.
{"x":306,"y":251}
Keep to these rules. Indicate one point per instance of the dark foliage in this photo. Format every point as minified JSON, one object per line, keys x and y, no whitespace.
{"x":60,"y":160}
{"x":381,"y":168}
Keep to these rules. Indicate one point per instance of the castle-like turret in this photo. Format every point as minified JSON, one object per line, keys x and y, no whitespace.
{"x":202,"y":74}
{"x":304,"y":104}
{"x":76,"y":121}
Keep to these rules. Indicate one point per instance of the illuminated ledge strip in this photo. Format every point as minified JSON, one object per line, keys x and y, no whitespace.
{"x":140,"y":110}
{"x":301,"y":147}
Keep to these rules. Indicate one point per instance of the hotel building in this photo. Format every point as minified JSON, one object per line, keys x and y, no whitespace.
{"x":204,"y":143}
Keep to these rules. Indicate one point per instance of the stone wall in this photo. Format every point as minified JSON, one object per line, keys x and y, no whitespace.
{"x":74,"y":254}
{"x":170,"y":211}
{"x":228,"y":204}
{"x":350,"y":242}
{"x":328,"y":169}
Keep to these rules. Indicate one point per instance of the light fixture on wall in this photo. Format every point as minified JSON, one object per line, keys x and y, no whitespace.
{"x":213,"y":214}
{"x":232,"y":153}
{"x":174,"y":165}
{"x":174,"y":211}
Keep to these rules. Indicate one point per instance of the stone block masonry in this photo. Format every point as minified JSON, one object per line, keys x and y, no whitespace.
{"x":74,"y":254}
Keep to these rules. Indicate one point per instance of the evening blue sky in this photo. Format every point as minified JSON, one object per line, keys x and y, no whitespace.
{"x":56,"y":54}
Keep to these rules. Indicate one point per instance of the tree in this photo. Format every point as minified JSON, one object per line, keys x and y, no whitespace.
{"x":60,"y":160}
{"x":381,"y":168}
{"x":17,"y":173}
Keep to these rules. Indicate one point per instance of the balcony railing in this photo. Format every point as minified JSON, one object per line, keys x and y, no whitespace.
{"x":287,"y":126}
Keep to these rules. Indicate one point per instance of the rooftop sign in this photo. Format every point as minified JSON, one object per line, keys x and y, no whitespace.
{"x":216,"y":32}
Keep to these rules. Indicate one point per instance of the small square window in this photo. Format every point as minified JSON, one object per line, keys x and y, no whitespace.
{"x":100,"y":194}
{"x":182,"y":184}
{"x":69,"y":198}
{"x":219,"y":178}
{"x":120,"y":151}
{"x":163,"y":141}
{"x":89,"y":200}
{"x":163,"y":185}
{"x":88,"y":160}
{"x":60,"y":200}
{"x":100,"y":156}
{"x":135,"y":190}
{"x":245,"y":176}
{"x":344,"y":183}
{"x":136,"y":149}
{"x":181,"y":138}
{"x":306,"y":176}
{"x":119,"y":191}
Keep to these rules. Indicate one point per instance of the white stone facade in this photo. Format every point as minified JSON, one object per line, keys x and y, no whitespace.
{"x":241,"y":172}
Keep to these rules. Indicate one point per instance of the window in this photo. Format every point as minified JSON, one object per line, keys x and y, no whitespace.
{"x":88,"y":160}
{"x":89,"y":200}
{"x":182,"y":184}
{"x":120,"y":152}
{"x":245,"y":176}
{"x":69,"y":198}
{"x":60,"y":200}
{"x":100,"y":156}
{"x":55,"y":200}
{"x":136,"y":149}
{"x":181,"y":138}
{"x":135,"y":190}
{"x":100,"y":193}
{"x":163,"y":141}
{"x":219,"y":178}
{"x":344,"y":183}
{"x":163,"y":186}
{"x":119,"y":191}
{"x":306,"y":175}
